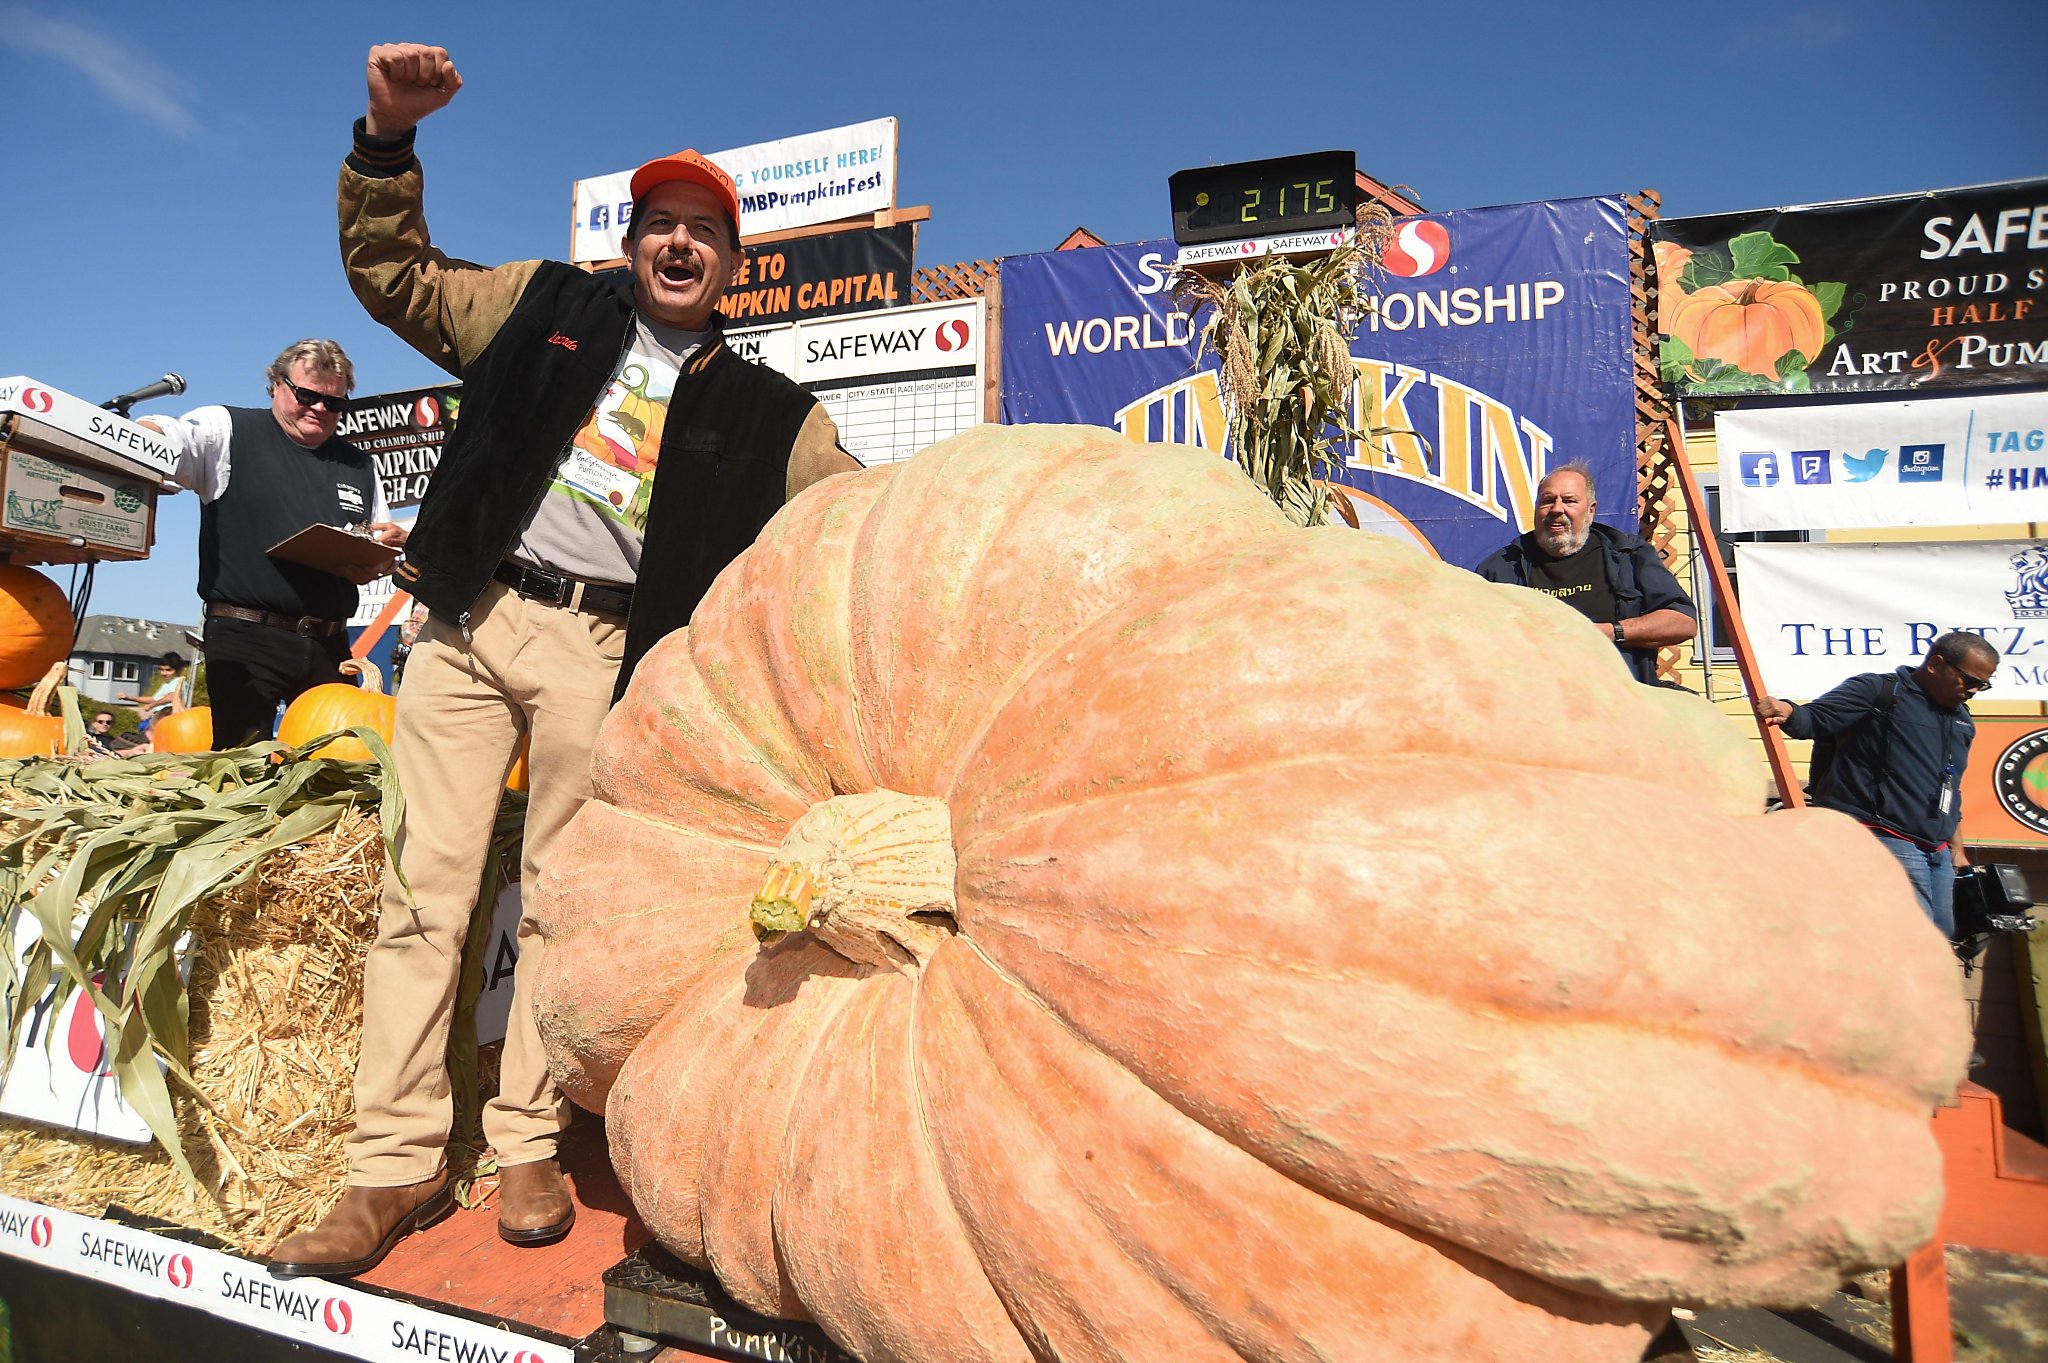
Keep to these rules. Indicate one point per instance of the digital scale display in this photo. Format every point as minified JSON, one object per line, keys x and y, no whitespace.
{"x":1264,"y":198}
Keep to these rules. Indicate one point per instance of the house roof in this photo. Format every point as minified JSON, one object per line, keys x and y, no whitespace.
{"x":124,"y":634}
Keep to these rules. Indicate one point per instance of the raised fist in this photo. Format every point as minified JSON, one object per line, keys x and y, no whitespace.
{"x":408,"y":81}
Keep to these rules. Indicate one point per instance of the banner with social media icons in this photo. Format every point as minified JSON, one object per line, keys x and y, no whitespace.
{"x":1979,"y":460}
{"x":1821,"y":613}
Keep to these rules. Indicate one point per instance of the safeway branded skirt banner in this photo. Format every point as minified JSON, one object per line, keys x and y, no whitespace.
{"x":1976,"y":459}
{"x":790,"y":182}
{"x":1500,"y":348}
{"x":1819,"y":613}
{"x":1947,"y":289}
{"x":326,"y":1315}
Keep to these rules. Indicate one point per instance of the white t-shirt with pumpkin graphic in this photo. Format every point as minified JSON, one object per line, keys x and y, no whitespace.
{"x":588,"y":522}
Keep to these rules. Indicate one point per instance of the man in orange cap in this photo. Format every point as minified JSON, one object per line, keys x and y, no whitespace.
{"x":551,"y":558}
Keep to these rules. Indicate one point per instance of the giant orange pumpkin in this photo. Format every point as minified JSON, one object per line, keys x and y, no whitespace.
{"x":1750,"y":323}
{"x":35,"y":625}
{"x":1218,"y":940}
{"x":187,"y":730}
{"x":337,"y":706}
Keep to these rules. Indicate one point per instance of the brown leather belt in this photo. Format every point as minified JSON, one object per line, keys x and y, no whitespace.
{"x":305,"y":626}
{"x":539,"y":584}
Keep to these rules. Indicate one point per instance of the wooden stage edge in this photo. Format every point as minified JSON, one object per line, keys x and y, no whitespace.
{"x":554,"y":1288}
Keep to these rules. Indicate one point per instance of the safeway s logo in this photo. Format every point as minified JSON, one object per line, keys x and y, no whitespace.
{"x":85,"y":1039}
{"x":1416,"y":249}
{"x":425,"y":413}
{"x":178,"y":1270}
{"x":37,"y":399}
{"x":527,"y":1356}
{"x":337,"y":1316}
{"x":950,"y":335}
{"x":1249,"y":248}
{"x":40,"y":1232}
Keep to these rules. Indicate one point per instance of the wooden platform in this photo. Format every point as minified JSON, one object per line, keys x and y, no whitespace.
{"x":553,"y":1289}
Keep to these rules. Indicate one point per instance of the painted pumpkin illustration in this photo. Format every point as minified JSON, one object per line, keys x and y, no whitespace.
{"x":1750,"y":323}
{"x":625,"y":428}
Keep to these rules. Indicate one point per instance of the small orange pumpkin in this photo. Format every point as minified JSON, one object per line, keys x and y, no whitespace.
{"x":187,"y":730}
{"x":1751,"y":323}
{"x":35,"y":625}
{"x":29,"y":729}
{"x":516,"y":778}
{"x":336,"y":706}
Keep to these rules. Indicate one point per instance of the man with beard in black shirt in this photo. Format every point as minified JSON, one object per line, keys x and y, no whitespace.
{"x":1613,"y":579}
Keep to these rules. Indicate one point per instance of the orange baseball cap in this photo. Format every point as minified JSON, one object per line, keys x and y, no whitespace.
{"x":690,"y":168}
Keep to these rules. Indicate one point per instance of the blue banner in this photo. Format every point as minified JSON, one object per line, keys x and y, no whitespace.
{"x":1500,"y":347}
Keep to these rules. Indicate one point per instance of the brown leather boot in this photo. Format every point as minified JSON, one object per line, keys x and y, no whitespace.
{"x":362,"y":1228}
{"x":534,"y":1206}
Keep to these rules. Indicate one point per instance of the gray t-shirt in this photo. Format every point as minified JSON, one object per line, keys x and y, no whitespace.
{"x":589,"y":520}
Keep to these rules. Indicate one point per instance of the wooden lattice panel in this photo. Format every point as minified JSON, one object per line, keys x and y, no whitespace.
{"x":944,"y":283}
{"x":1659,"y":506}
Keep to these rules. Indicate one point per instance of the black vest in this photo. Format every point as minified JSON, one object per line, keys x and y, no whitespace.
{"x":722,"y":473}
{"x":277,"y":488}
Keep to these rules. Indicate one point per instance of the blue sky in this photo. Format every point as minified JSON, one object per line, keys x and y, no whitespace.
{"x":171,"y":167}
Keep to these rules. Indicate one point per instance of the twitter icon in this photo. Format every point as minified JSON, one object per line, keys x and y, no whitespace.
{"x":1864,"y":467}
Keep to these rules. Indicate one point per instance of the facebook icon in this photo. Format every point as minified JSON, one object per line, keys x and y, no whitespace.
{"x":1760,"y":469}
{"x":1811,"y":466}
{"x":600,"y":217}
{"x":1920,"y":463}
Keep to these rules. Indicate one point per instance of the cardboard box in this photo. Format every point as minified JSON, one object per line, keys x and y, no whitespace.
{"x":59,"y":510}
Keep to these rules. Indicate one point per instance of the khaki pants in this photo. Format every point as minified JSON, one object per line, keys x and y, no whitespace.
{"x":528,"y":668}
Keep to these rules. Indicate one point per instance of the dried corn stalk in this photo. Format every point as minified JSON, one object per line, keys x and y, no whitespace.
{"x":1282,"y":333}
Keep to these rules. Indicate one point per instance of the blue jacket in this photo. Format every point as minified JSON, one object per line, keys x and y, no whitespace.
{"x":1635,"y":574}
{"x":1890,"y":770}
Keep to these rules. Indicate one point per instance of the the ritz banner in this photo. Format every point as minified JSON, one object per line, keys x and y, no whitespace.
{"x":1926,"y":292}
{"x":1499,"y":347}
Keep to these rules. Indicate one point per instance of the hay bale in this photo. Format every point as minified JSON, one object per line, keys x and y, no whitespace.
{"x":276,"y":1022}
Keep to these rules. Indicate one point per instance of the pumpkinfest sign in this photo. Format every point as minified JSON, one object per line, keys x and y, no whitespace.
{"x":1942,"y":290}
{"x":1498,"y":348}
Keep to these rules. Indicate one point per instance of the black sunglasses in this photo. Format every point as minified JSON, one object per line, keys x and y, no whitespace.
{"x":1971,"y":685}
{"x":103,"y":724}
{"x":308,"y":398}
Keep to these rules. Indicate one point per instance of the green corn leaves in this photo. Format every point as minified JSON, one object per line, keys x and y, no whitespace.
{"x":108,"y":860}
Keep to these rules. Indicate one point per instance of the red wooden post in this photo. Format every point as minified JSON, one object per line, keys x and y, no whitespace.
{"x":1709,"y":549}
{"x":1921,"y":1332}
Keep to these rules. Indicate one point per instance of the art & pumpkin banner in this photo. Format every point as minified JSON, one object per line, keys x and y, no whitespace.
{"x":1500,"y":347}
{"x":1942,"y":290}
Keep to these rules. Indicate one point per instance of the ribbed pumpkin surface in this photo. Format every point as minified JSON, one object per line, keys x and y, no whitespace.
{"x":1351,"y":960}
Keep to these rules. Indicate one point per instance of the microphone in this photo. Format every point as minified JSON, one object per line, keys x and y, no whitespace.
{"x":166,"y":386}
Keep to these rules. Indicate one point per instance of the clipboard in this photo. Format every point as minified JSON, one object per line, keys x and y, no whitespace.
{"x":330,"y":548}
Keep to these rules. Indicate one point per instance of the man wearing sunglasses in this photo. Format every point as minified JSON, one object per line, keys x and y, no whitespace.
{"x":274,"y":628}
{"x":1892,"y":752}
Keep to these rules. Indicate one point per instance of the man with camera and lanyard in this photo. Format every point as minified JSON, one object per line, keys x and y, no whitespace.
{"x":1901,"y":742}
{"x":542,"y":516}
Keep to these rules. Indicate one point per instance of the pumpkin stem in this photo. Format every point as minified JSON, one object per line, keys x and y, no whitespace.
{"x":870,"y":875}
{"x":41,"y":701}
{"x":369,"y":676}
